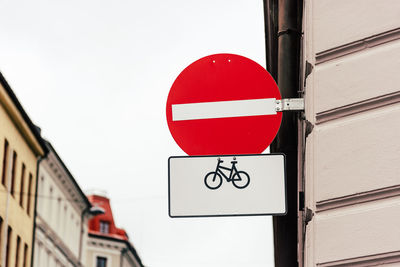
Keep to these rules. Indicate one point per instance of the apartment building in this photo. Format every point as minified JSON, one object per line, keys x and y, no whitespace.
{"x":61,"y":218}
{"x":107,"y":245}
{"x":343,"y":164}
{"x":21,"y":147}
{"x":352,"y":162}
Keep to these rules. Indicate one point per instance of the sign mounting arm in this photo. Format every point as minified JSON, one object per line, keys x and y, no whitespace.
{"x":290,"y":104}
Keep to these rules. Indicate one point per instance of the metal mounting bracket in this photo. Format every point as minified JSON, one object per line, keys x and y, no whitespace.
{"x":290,"y":104}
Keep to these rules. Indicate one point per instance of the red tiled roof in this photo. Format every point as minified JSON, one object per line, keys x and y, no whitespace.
{"x":107,"y":217}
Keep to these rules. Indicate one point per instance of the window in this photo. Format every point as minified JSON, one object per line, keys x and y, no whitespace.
{"x":14,"y":162}
{"x":28,"y":207}
{"x":64,"y":222}
{"x":1,"y":231}
{"x":40,"y":193}
{"x":71,"y":228}
{"x":58,"y":213}
{"x":25,"y":255}
{"x":17,"y":251}
{"x":9,"y":232}
{"x":104,"y":227}
{"x":50,"y":201}
{"x":4,"y":171}
{"x":101,"y":262}
{"x":21,"y":189}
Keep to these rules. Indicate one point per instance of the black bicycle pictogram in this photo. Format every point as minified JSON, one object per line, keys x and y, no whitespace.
{"x":240,"y":179}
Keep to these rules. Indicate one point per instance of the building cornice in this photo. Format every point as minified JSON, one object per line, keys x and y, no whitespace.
{"x":129,"y":246}
{"x":21,"y":120}
{"x":56,"y":240}
{"x":65,"y":179}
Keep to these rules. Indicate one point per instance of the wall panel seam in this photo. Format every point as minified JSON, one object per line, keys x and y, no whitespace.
{"x":357,"y":46}
{"x":370,"y":260}
{"x":358,"y":107}
{"x":358,"y":198}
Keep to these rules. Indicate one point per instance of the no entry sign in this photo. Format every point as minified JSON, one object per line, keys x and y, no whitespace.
{"x":223,"y":104}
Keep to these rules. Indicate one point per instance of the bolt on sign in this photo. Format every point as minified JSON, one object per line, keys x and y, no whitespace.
{"x":222,"y":111}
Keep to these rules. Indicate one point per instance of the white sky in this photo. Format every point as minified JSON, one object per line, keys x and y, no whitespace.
{"x":95,"y":76}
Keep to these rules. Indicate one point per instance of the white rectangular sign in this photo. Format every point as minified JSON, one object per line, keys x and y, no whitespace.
{"x":224,"y":109}
{"x":205,"y":186}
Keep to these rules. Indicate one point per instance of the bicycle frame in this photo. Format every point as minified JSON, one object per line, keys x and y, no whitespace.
{"x":232,"y":170}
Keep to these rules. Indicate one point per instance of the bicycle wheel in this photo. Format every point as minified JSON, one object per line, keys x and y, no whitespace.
{"x":213,"y":180}
{"x":241,"y":179}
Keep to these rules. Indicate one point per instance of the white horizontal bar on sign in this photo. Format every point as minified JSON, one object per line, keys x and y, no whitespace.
{"x":224,"y":109}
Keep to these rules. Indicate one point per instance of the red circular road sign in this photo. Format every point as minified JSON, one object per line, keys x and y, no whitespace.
{"x":223,"y":104}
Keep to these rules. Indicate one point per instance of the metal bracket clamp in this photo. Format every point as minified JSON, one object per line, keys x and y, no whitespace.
{"x":290,"y":104}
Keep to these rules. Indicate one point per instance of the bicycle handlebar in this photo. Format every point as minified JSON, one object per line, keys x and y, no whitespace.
{"x":221,"y":161}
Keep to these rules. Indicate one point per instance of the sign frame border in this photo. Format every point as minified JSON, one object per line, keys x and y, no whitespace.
{"x":228,"y":215}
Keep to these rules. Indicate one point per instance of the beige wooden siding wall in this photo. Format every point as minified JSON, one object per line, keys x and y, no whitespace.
{"x":352,"y":161}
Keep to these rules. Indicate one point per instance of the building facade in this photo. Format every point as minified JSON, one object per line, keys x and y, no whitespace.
{"x":352,"y":162}
{"x":343,"y":164}
{"x":21,"y":147}
{"x":107,"y":245}
{"x":61,"y":216}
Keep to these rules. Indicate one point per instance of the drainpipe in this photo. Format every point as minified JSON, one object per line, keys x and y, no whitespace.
{"x":287,"y":36}
{"x":35,"y":206}
{"x":86,"y":210}
{"x":123,"y":251}
{"x":92,"y":211}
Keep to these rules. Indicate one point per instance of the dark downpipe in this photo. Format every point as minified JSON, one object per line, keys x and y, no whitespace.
{"x":121,"y":257}
{"x":283,"y":36}
{"x":35,"y":207}
{"x":86,"y":210}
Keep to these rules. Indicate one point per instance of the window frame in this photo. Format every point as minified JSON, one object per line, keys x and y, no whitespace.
{"x":98,"y":258}
{"x":104,"y":227}
{"x":13,"y":171}
{"x":30,"y":184}
{"x":22,"y":185}
{"x":17,"y":250}
{"x":5,"y":162}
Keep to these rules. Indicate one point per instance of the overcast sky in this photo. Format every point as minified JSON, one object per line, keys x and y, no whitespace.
{"x":95,"y":76}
